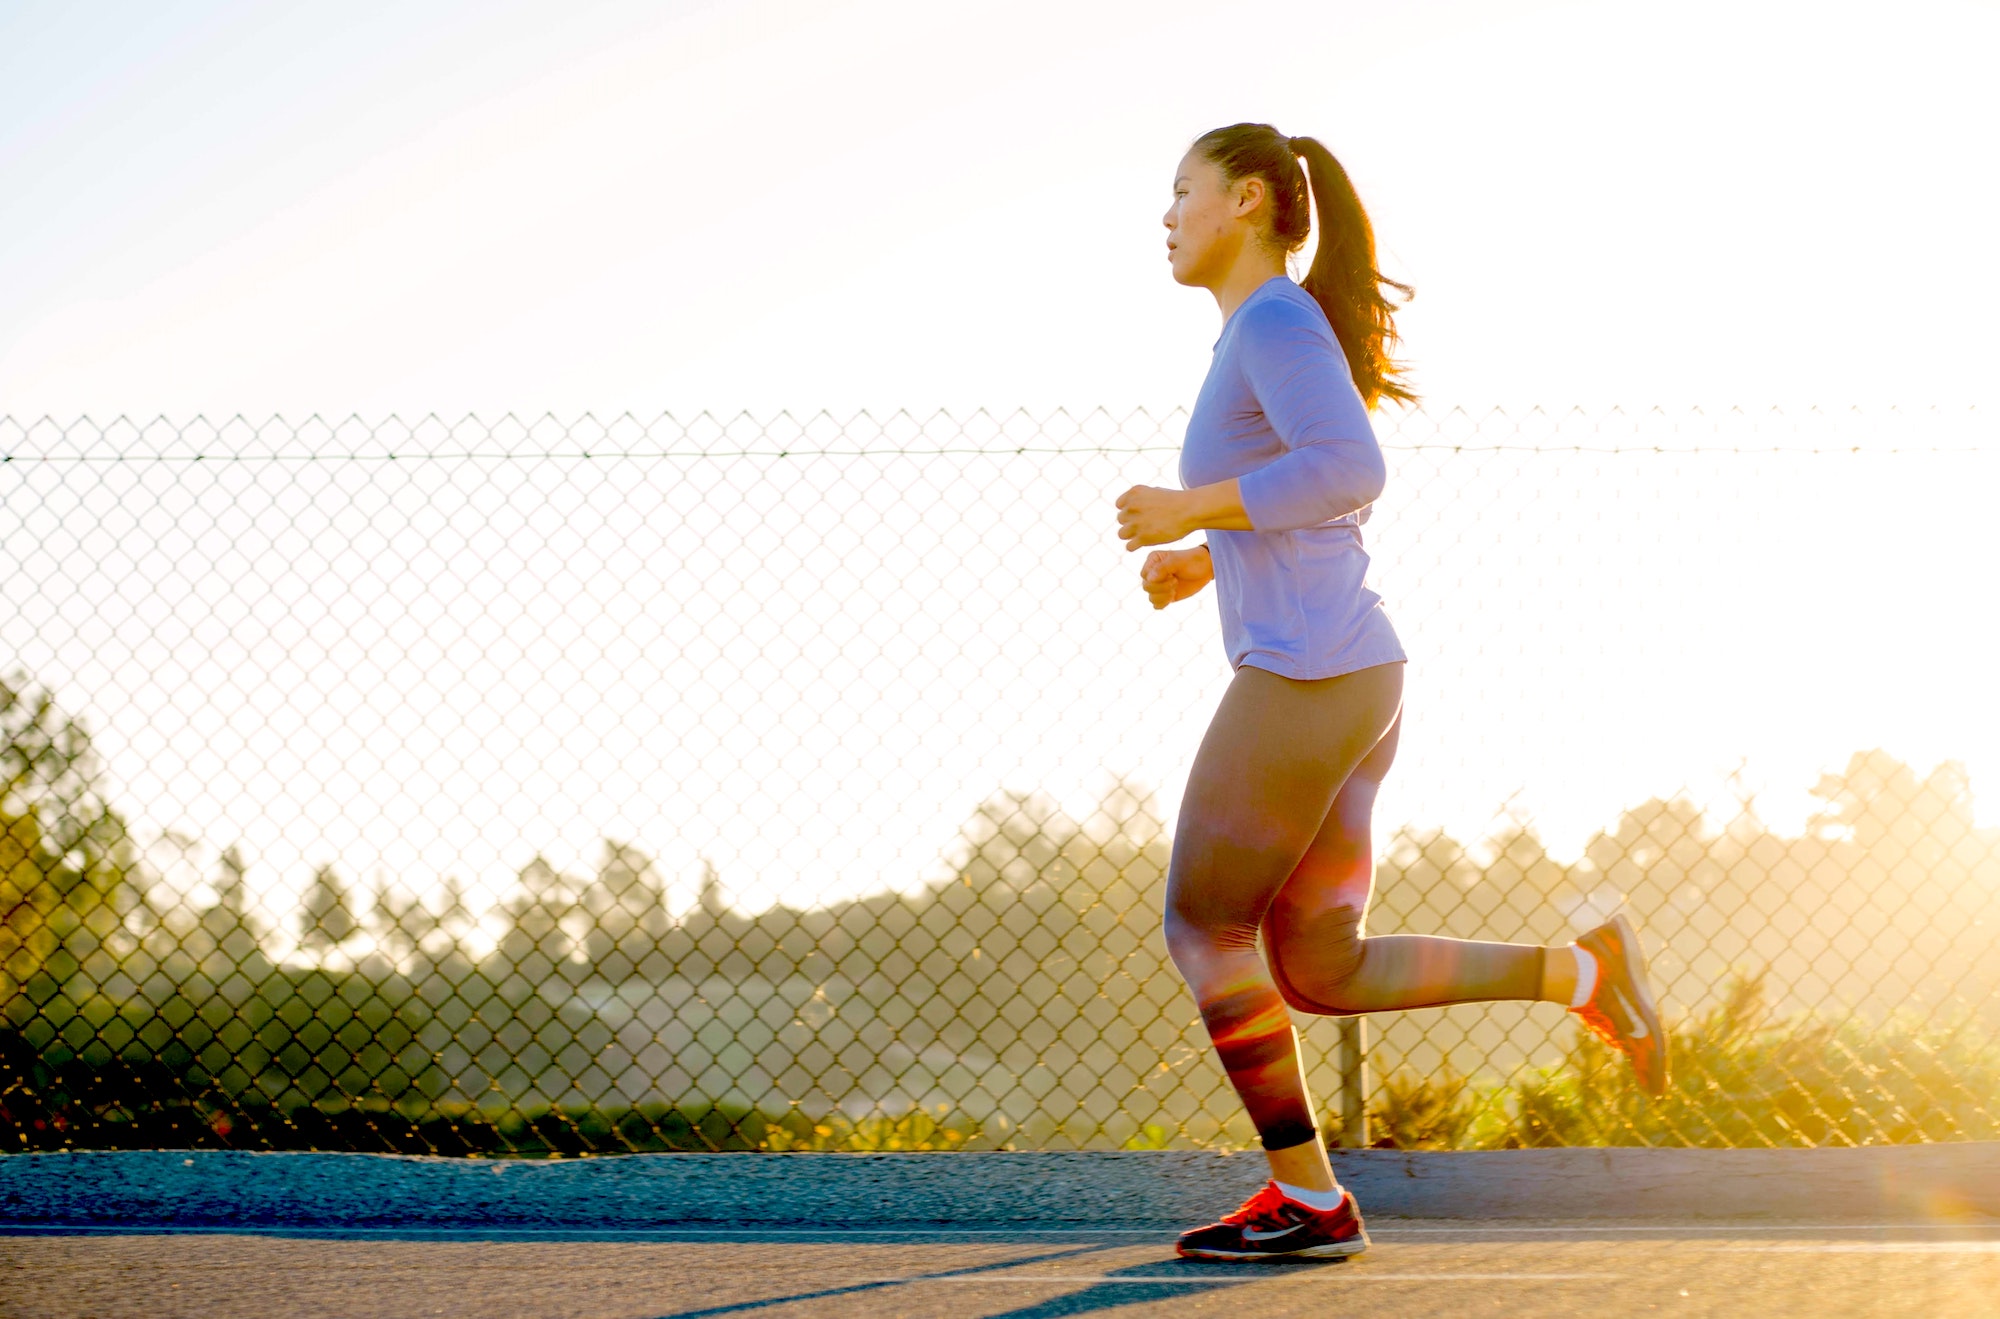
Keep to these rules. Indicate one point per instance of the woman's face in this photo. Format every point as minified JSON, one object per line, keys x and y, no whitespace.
{"x":1207,"y":223}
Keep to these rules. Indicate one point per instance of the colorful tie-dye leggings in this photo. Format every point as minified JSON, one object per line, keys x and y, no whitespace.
{"x":1273,"y":835}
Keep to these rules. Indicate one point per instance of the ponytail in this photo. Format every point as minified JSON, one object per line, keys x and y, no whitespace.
{"x":1343,"y":279}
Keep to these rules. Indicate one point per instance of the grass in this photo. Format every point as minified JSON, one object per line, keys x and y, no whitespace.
{"x":464,"y":1130}
{"x":1740,"y":1080}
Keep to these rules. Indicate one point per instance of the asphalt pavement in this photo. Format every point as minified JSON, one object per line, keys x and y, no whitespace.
{"x":1445,"y":1267}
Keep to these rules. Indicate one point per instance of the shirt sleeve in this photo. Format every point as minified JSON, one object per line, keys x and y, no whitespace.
{"x":1332,"y":465}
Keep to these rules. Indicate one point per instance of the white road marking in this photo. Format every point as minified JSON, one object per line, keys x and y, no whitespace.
{"x":1717,"y":1225}
{"x":1874,"y":1248}
{"x":1290,"y":1273}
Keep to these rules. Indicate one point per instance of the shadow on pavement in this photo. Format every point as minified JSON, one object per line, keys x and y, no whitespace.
{"x":738,"y":1307}
{"x":1157,"y":1280}
{"x":1151,"y":1281}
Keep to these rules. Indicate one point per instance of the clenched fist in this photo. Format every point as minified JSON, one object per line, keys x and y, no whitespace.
{"x":1171,"y":575}
{"x":1154,"y":515}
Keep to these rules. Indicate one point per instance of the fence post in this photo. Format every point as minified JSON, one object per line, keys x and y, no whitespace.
{"x":1353,"y":1082}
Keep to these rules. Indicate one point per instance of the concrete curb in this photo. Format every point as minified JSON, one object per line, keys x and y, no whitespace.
{"x":232,"y":1189}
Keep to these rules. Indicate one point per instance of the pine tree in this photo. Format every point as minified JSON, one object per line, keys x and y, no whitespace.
{"x":329,"y":912}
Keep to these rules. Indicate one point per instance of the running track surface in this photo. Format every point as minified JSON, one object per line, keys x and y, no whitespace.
{"x":1546,"y":1271}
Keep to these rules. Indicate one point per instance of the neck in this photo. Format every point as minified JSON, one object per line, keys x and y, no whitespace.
{"x":1250,"y":272}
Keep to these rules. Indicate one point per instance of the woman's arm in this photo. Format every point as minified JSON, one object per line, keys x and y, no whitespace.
{"x":1219,"y":506}
{"x":1151,"y":515}
{"x":1297,"y":372}
{"x":1332,"y":464}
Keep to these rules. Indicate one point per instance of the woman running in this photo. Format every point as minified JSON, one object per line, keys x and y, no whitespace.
{"x":1280,"y":465}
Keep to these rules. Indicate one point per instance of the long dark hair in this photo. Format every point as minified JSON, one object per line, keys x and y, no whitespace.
{"x":1343,"y":278}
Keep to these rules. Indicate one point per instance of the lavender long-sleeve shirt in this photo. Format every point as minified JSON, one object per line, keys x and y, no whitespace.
{"x":1280,"y":412}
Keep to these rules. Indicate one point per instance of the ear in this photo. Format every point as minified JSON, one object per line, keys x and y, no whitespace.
{"x":1249,"y":194}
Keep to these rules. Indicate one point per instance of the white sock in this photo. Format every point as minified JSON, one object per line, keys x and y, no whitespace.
{"x":1312,"y":1199}
{"x":1586,"y":977}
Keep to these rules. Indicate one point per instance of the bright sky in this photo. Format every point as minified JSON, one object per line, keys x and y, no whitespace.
{"x":450,"y":207}
{"x":456,"y":207}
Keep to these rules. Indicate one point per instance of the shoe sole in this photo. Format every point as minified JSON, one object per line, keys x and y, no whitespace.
{"x":1326,"y":1250}
{"x":1635,"y":969}
{"x":1631,"y":953}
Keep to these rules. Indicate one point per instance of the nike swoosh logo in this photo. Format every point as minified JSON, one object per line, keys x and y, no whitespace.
{"x":1251,"y":1234}
{"x":1638,"y":1031}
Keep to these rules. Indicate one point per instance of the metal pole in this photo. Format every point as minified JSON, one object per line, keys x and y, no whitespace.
{"x":1353,"y":1082}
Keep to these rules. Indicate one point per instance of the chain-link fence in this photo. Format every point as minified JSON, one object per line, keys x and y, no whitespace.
{"x":589,"y":787}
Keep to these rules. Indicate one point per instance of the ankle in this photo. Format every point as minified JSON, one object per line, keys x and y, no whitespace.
{"x":1313,"y":1198}
{"x":1569,"y":975}
{"x":1304,"y":1166}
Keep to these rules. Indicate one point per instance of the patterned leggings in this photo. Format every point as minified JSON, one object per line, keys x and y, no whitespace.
{"x":1273,"y":836}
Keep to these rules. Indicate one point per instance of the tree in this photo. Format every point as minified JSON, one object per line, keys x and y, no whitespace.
{"x":545,"y":921}
{"x":627,"y":908}
{"x":1657,"y":834}
{"x":1880,"y":805}
{"x":328,"y":916}
{"x":65,"y":856}
{"x":229,"y":937}
{"x":406,"y":921}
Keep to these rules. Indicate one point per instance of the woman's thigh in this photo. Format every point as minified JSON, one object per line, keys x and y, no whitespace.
{"x":1313,"y":927}
{"x":1270,"y":767}
{"x":1338,"y":866}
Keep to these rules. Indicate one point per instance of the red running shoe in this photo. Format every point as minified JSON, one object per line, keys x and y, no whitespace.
{"x":1621,"y":1006}
{"x":1269,"y":1225}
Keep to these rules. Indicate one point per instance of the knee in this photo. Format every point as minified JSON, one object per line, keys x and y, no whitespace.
{"x":1315,"y":960}
{"x":1188,"y":941}
{"x":1202,"y":946}
{"x":1180,"y":934}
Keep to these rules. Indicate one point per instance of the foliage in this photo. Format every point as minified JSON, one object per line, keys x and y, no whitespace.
{"x":296,"y":1039}
{"x":915,"y":1130}
{"x":1740,"y":1080}
{"x":1024,"y":1001}
{"x":1415,"y":1112}
{"x":64,"y":854}
{"x":143,"y":1102}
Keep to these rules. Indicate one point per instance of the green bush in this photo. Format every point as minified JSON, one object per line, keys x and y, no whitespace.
{"x":1740,"y":1080}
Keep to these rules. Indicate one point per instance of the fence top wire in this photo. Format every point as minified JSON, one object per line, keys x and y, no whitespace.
{"x":1533,"y":430}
